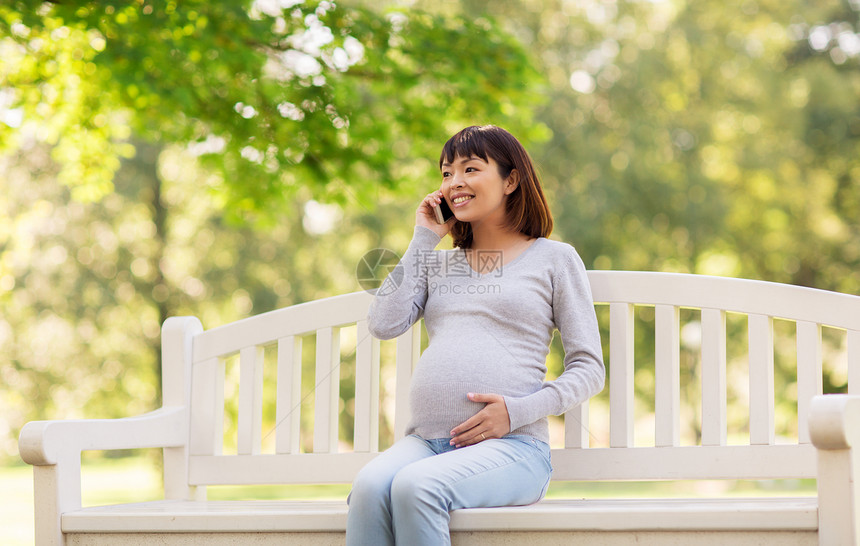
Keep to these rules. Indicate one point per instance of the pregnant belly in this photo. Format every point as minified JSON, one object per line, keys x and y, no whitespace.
{"x":437,"y":407}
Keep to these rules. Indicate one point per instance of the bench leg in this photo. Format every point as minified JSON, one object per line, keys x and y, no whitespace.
{"x":835,"y":430}
{"x":57,"y":489}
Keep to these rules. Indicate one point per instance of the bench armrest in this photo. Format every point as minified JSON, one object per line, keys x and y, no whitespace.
{"x":834,"y":421}
{"x":54,"y":449}
{"x":45,"y":442}
{"x":834,"y":428}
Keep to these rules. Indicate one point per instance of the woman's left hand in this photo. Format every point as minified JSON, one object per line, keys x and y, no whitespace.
{"x":490,"y":422}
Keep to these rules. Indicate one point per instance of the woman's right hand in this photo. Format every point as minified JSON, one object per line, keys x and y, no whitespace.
{"x":426,"y":215}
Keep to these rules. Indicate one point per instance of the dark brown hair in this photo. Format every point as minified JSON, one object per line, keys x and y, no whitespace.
{"x":526,"y":208}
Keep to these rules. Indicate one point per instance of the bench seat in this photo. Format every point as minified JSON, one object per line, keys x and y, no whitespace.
{"x":711,"y":514}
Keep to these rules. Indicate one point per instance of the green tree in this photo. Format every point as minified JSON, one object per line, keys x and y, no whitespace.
{"x":339,"y":99}
{"x":190,"y":142}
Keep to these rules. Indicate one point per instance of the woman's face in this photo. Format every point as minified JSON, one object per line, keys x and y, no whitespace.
{"x":475,"y":190}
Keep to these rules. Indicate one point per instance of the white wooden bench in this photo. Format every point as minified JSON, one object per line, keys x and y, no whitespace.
{"x":190,"y":429}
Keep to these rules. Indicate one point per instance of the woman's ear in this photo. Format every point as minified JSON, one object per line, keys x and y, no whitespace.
{"x":512,"y":182}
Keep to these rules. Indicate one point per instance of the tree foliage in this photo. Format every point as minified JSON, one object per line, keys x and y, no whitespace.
{"x":189,"y":140}
{"x":706,"y":137}
{"x":341,"y":100}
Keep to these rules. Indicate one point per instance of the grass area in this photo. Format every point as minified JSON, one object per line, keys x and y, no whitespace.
{"x":138,"y":478}
{"x":103,"y":481}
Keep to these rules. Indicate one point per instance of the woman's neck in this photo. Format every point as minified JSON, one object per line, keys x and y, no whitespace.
{"x":495,"y":238}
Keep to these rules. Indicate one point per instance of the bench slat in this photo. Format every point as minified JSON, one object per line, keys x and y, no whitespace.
{"x":853,"y":343}
{"x":207,"y":400}
{"x":250,"y":400}
{"x":366,"y":390}
{"x":300,"y":319}
{"x":761,"y":419}
{"x":809,"y":380}
{"x":288,"y":406}
{"x":645,"y":514}
{"x":667,"y":376}
{"x":576,"y":432}
{"x":301,"y":468}
{"x":621,"y":375}
{"x":327,"y":390}
{"x":741,"y":462}
{"x":592,"y":464}
{"x":734,"y":295}
{"x":713,"y":377}
{"x":408,"y":350}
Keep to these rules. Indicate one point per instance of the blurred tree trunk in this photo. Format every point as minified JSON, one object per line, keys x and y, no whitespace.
{"x":144,"y":168}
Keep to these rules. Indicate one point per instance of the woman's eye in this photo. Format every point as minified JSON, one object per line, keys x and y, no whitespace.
{"x":446,"y":174}
{"x":470,"y":169}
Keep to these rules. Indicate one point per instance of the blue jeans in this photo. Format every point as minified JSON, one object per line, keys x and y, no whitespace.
{"x":403,"y":496}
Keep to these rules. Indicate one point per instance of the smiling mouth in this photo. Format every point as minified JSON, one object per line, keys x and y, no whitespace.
{"x":463,"y":199}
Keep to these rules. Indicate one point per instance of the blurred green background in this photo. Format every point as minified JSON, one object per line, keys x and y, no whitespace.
{"x":223,"y":159}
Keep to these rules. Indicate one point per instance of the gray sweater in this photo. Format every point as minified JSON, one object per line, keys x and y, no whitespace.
{"x":490,"y":333}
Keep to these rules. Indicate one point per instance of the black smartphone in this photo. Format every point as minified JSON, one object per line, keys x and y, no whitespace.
{"x":443,"y":212}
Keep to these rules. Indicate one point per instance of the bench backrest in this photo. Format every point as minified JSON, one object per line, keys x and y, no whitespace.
{"x":267,"y":352}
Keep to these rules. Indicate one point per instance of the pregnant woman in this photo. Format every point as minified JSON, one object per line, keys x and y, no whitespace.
{"x":479,"y":398}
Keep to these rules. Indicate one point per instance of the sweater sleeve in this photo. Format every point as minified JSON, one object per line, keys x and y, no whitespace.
{"x":399,"y":301}
{"x":584,"y":373}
